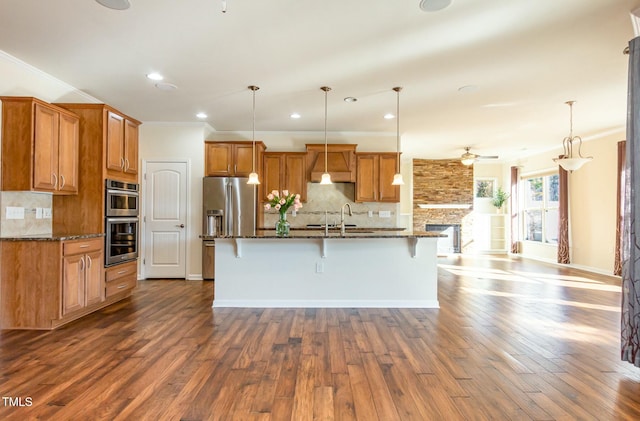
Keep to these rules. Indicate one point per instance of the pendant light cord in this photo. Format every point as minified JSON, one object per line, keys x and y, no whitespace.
{"x":325,"y":89}
{"x":398,"y":89}
{"x":253,"y":130}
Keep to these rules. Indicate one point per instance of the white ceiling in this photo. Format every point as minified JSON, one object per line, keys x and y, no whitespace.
{"x":525,"y":57}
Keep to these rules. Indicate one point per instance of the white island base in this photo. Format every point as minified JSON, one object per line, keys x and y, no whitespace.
{"x":351,"y":271}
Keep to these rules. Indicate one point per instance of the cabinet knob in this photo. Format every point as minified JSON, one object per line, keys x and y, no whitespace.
{"x":82,"y":263}
{"x":122,"y":163}
{"x":55,"y":179}
{"x":126,"y":164}
{"x":89,"y":262}
{"x":61,"y":181}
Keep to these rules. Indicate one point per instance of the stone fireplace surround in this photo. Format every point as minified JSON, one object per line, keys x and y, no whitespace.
{"x":443,"y":182}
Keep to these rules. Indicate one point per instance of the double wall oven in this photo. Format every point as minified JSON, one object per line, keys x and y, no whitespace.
{"x":122,"y":209}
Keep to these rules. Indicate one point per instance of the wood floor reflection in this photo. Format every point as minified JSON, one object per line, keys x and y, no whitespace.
{"x":512,"y":339}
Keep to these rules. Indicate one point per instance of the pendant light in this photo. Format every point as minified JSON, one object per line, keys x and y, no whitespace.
{"x":253,"y":177}
{"x":326,"y":177}
{"x":568,"y":161}
{"x":397,"y":177}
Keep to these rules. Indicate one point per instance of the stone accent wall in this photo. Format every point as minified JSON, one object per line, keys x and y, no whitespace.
{"x":443,"y":182}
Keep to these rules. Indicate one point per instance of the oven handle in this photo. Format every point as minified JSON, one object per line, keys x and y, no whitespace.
{"x":122,"y":219}
{"x":123,"y":192}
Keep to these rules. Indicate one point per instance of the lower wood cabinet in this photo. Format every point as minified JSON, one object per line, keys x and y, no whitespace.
{"x":82,"y":274}
{"x":121,"y":278}
{"x":47,"y":283}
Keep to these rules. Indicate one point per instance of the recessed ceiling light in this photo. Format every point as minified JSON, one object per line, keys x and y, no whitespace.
{"x":115,"y":4}
{"x":434,"y":5}
{"x":155,"y":76}
{"x":389,"y":116}
{"x":201,"y":115}
{"x":295,"y":115}
{"x":350,"y":99}
{"x":166,"y":86}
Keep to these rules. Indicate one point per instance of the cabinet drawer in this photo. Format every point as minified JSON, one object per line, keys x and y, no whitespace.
{"x":125,"y":270}
{"x":121,"y":284}
{"x":82,"y":246}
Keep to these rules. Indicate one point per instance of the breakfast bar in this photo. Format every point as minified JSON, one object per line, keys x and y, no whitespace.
{"x":311,"y":269}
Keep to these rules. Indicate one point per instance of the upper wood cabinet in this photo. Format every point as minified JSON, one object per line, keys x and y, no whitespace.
{"x":39,"y":146}
{"x":341,"y":162}
{"x":122,"y":147}
{"x":374,"y":176}
{"x":284,"y":171}
{"x":231,"y":159}
{"x":108,"y":149}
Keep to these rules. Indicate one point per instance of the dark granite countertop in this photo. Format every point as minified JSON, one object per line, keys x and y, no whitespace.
{"x":51,"y":237}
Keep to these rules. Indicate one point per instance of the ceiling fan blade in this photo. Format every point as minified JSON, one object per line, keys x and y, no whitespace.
{"x":487,"y":157}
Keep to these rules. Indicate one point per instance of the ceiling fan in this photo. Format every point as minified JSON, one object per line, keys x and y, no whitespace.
{"x":468,"y":158}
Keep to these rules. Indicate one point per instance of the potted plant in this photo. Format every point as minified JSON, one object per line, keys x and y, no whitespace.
{"x":499,"y":198}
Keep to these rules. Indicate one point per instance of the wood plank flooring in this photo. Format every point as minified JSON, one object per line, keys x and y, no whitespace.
{"x":513,"y":340}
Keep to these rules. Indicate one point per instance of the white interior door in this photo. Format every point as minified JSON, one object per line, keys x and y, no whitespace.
{"x":165,"y":212}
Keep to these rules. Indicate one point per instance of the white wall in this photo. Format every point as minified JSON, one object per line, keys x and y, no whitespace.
{"x":592,"y":205}
{"x":162,"y":141}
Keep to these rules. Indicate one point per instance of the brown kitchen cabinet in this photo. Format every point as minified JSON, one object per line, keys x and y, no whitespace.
{"x":231,"y":159}
{"x":40,"y":147}
{"x":122,"y":147}
{"x":121,"y":278}
{"x":82,"y":274}
{"x":374,"y":175}
{"x":284,"y":171}
{"x":47,"y":283}
{"x":107,"y":139}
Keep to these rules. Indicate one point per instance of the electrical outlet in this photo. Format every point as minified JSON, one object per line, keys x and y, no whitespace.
{"x":46,"y":213}
{"x":38,"y":213}
{"x":384,"y":214}
{"x":14,"y":212}
{"x":319,"y":267}
{"x":370,"y":214}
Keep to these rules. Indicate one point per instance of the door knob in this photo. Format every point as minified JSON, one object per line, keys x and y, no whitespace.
{"x":180,"y":226}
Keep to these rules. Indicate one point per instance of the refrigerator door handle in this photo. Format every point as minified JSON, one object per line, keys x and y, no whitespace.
{"x":229,"y":204}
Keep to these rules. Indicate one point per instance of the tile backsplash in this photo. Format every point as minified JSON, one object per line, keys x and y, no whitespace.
{"x":331,"y":198}
{"x":34,"y":206}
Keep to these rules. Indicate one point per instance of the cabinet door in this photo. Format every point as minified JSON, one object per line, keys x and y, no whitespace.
{"x":272,"y":172}
{"x":388,"y":167}
{"x":45,"y":148}
{"x":295,"y":174}
{"x":366,"y":178}
{"x":68,"y":154}
{"x":218,"y":157}
{"x":73,"y":297}
{"x":130,"y":147}
{"x":94,"y":278}
{"x":243,"y":160}
{"x":115,"y":142}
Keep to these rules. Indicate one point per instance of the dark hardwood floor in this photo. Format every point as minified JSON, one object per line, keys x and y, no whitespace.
{"x":513,"y":340}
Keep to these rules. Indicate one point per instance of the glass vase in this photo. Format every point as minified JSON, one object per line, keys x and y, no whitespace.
{"x":282,"y":226}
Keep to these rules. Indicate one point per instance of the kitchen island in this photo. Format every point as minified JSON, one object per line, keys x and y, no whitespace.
{"x":311,"y":269}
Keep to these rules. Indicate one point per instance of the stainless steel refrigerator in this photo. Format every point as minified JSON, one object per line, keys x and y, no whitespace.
{"x":233,"y":202}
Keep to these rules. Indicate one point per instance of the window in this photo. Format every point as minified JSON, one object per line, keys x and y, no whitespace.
{"x":540,"y":208}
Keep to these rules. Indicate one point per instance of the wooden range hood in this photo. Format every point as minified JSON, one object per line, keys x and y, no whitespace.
{"x":341,"y":162}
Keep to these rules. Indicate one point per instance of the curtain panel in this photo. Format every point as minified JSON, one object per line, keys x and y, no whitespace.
{"x":630,"y":320}
{"x":617,"y":258}
{"x":563,"y":216}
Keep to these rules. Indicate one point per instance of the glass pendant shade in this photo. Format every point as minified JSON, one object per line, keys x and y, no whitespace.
{"x":253,"y":176}
{"x":568,"y":161}
{"x":397,"y":177}
{"x":467,"y":161}
{"x":326,"y":177}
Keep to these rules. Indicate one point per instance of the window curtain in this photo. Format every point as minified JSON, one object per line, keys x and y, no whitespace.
{"x":617,"y":263}
{"x":563,"y":216}
{"x":630,"y":320}
{"x":515,"y":210}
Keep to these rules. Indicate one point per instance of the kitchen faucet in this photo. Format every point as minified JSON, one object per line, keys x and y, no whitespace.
{"x":342,"y":228}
